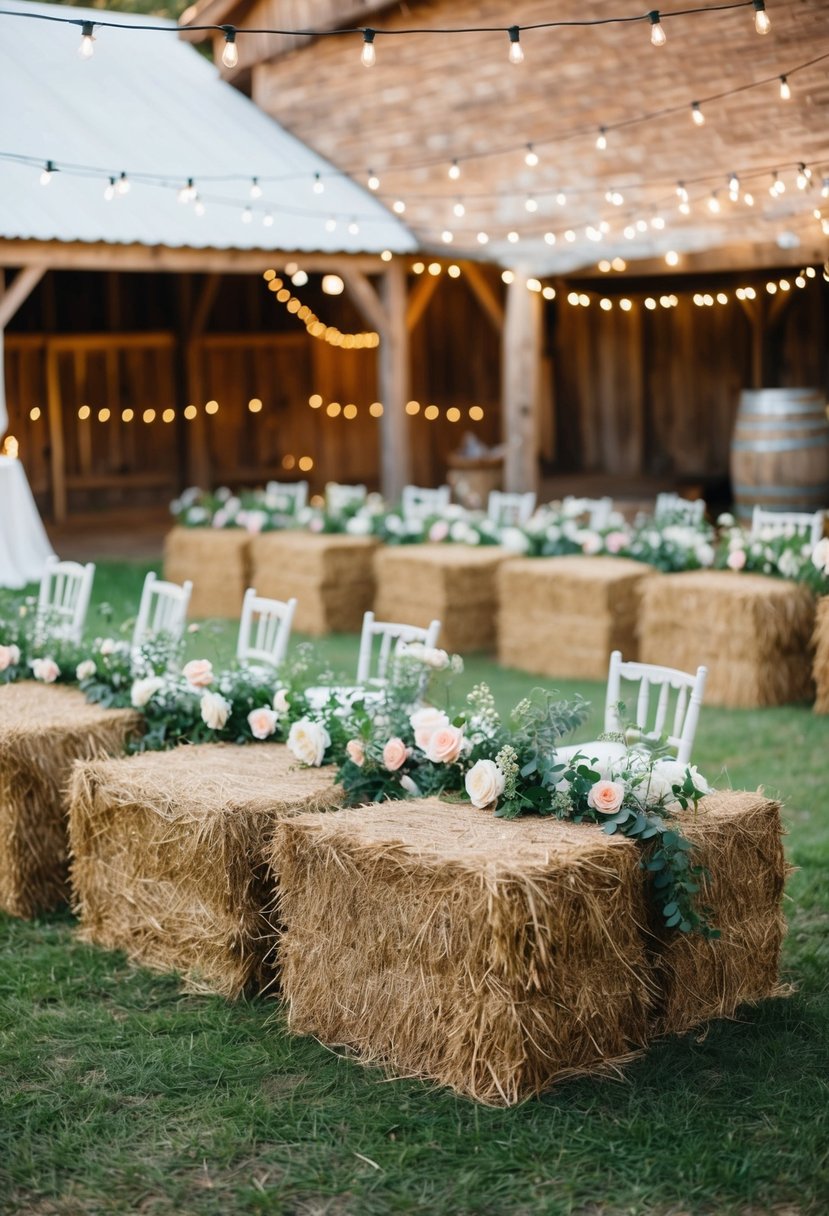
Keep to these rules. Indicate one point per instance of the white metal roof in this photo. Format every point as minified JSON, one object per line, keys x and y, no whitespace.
{"x":149,"y":103}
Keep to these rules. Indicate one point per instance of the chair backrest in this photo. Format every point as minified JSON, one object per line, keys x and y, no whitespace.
{"x":684,"y":510}
{"x":63,"y":600}
{"x":339,"y":497}
{"x":652,"y":720}
{"x":597,"y":510}
{"x":417,"y":502}
{"x":510,"y":509}
{"x":264,"y":629}
{"x":295,"y":494}
{"x":391,"y":636}
{"x":163,"y":609}
{"x":786,"y":523}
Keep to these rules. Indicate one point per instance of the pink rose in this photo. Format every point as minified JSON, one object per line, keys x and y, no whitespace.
{"x":424,"y":722}
{"x":444,"y":747}
{"x":46,"y":670}
{"x":198,"y":673}
{"x":357,"y":753}
{"x":6,"y":657}
{"x":606,"y":796}
{"x":591,"y":544}
{"x":262,"y":722}
{"x":439,"y":531}
{"x":395,"y":754}
{"x":614,"y":541}
{"x":736,"y":559}
{"x":315,"y":525}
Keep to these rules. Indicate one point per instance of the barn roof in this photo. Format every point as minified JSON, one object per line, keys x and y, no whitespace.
{"x":149,"y":104}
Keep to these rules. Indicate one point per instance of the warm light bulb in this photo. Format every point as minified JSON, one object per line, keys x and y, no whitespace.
{"x":483,"y":238}
{"x":109,"y":192}
{"x":331,"y":224}
{"x":804,"y":176}
{"x":353,"y":228}
{"x":672,"y":258}
{"x":373,"y":182}
{"x":46,"y":175}
{"x":734,"y":187}
{"x":459,"y":210}
{"x":561,"y":198}
{"x":122,"y":186}
{"x":697,"y":114}
{"x":657,"y":31}
{"x":398,"y":206}
{"x":267,"y":220}
{"x":684,"y":208}
{"x":601,"y":140}
{"x":531,"y":204}
{"x":187,"y":192}
{"x":454,"y":171}
{"x":761,"y":17}
{"x":319,"y":185}
{"x":447,"y":237}
{"x":531,"y":157}
{"x":247,"y":216}
{"x":785,"y":89}
{"x":255,"y":188}
{"x":199,"y":207}
{"x":682,"y":193}
{"x":824,"y":188}
{"x":230,"y":55}
{"x":748,"y":199}
{"x":368,"y":58}
{"x":713,"y":204}
{"x":86,"y":49}
{"x":516,"y":51}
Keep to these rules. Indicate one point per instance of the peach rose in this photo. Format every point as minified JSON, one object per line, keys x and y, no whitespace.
{"x":215,"y":710}
{"x":425,"y":722}
{"x":198,"y":673}
{"x":444,"y":747}
{"x":262,"y":722}
{"x":307,"y":741}
{"x":280,"y":701}
{"x":395,"y":754}
{"x":484,"y":783}
{"x":46,"y":670}
{"x":606,"y":797}
{"x":356,"y":752}
{"x":736,"y":559}
{"x":7,"y":658}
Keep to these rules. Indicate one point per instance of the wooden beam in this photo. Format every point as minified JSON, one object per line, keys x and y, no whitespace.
{"x":393,"y":378}
{"x":18,"y":291}
{"x":521,"y":384}
{"x":367,"y":300}
{"x":424,"y":289}
{"x":56,"y":457}
{"x":484,"y":294}
{"x":205,"y":302}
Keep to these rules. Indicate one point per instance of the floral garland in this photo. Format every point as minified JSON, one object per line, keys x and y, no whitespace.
{"x":787,"y":555}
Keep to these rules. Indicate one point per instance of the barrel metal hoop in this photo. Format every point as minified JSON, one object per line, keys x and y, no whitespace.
{"x":789,"y":424}
{"x":819,"y":492}
{"x":788,"y":406}
{"x":779,"y":445}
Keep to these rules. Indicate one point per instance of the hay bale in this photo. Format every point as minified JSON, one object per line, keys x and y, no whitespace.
{"x":332,"y":577}
{"x":752,"y":632}
{"x":43,"y":730}
{"x":738,"y":840}
{"x":562,"y":616}
{"x":443,"y":943}
{"x":455,"y":584}
{"x":168,"y":855}
{"x":217,"y":561}
{"x":821,"y":664}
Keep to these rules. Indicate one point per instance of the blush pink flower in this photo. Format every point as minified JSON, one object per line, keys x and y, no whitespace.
{"x":606,"y":797}
{"x":356,"y":752}
{"x":46,"y":670}
{"x":262,"y":722}
{"x":444,"y":746}
{"x":439,"y":531}
{"x":614,"y":541}
{"x":395,"y":754}
{"x":198,"y":673}
{"x":736,"y":559}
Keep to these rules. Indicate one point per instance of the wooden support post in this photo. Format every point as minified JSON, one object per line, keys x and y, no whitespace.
{"x":484,"y":294}
{"x":393,"y":355}
{"x":56,"y":457}
{"x":521,"y":384}
{"x":419,"y":299}
{"x":11,"y":297}
{"x":197,"y":458}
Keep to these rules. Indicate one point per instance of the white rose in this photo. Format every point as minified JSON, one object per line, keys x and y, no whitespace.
{"x":437,"y":659}
{"x":108,"y":646}
{"x":307,"y":741}
{"x":215,"y":710}
{"x":46,"y":670}
{"x":484,"y":783}
{"x":358,"y":526}
{"x":143,"y":691}
{"x":280,"y":701}
{"x":85,"y":670}
{"x":820,"y":555}
{"x":675,"y":773}
{"x":409,"y":786}
{"x":425,"y":722}
{"x":14,"y":654}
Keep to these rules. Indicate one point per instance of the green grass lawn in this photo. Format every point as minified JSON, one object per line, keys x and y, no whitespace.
{"x":119,"y":1095}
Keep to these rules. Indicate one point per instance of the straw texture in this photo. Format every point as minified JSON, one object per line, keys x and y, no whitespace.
{"x":332,"y":577}
{"x":168,"y":856}
{"x":752,"y":632}
{"x":218,"y":563}
{"x":43,"y":730}
{"x":738,"y":840}
{"x":821,"y":665}
{"x":440,"y":942}
{"x":455,"y":584}
{"x":562,"y":616}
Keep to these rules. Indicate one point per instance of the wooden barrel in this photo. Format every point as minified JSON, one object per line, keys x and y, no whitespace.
{"x":780,"y":450}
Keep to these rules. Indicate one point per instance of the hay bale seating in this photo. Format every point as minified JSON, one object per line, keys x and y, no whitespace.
{"x":331,"y":575}
{"x":218,"y":563}
{"x":821,"y":664}
{"x":562,"y":616}
{"x":43,"y":730}
{"x":446,"y":944}
{"x":455,"y":584}
{"x":752,"y":632}
{"x":168,"y":856}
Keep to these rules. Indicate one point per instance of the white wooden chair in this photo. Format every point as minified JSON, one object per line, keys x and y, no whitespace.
{"x":63,"y":600}
{"x":264,"y":630}
{"x":339,"y":497}
{"x":681,"y":510}
{"x":783,"y":523}
{"x":510,"y":509}
{"x":163,"y":610}
{"x":374,"y":664}
{"x":597,"y":510}
{"x":418,"y":502}
{"x":295,"y":494}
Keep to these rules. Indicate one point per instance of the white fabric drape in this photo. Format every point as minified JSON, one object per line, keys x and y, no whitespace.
{"x":24,"y":545}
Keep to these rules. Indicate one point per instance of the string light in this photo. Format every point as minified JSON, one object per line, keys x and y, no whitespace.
{"x":785,"y":89}
{"x":187,"y":192}
{"x":318,"y":186}
{"x":761,"y":17}
{"x":230,"y":54}
{"x":368,"y":56}
{"x":824,"y":188}
{"x":601,"y":140}
{"x":255,"y":188}
{"x":373,"y":182}
{"x":459,"y":210}
{"x":200,"y":209}
{"x":247,"y":215}
{"x":697,"y":114}
{"x":734,"y":187}
{"x":46,"y":175}
{"x":86,"y":49}
{"x":122,"y":186}
{"x":713,"y":203}
{"x":531,"y":156}
{"x":672,"y":258}
{"x":778,"y":186}
{"x":530,"y":203}
{"x":447,"y":237}
{"x":483,"y":238}
{"x":267,"y":219}
{"x":109,"y":192}
{"x":748,"y":199}
{"x":657,"y":31}
{"x":804,"y":176}
{"x":398,"y":206}
{"x":454,"y":171}
{"x":516,"y":51}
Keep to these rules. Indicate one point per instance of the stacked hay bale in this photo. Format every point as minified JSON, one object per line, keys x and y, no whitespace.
{"x":562,"y":616}
{"x":454,"y":584}
{"x":168,"y":856}
{"x":821,"y":665}
{"x":43,"y":731}
{"x":493,"y":957}
{"x":331,"y":576}
{"x":738,"y":839}
{"x":217,"y":562}
{"x":752,"y":632}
